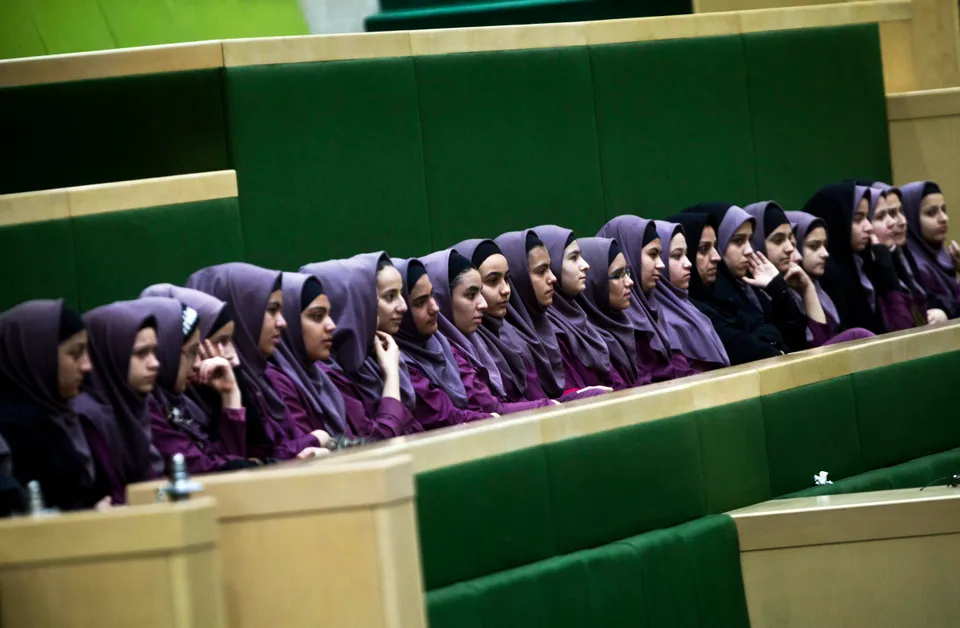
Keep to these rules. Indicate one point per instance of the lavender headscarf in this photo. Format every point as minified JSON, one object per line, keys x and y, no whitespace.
{"x":733,"y":219}
{"x":690,"y":331}
{"x":291,"y":356}
{"x":758,"y":211}
{"x":908,"y":281}
{"x":613,"y":325}
{"x":247,"y":289}
{"x":566,"y":314}
{"x":351,"y":285}
{"x":873,"y":196}
{"x":526,"y":329}
{"x":29,"y":340}
{"x":432,"y":355}
{"x":934,"y":262}
{"x":805,"y":223}
{"x":487,"y":338}
{"x":643,"y":313}
{"x":118,"y":410}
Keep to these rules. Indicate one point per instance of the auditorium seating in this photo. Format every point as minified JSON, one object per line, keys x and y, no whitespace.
{"x":509,"y":507}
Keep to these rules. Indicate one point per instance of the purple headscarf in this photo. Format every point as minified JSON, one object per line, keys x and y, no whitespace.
{"x":872,"y":195}
{"x":613,"y":325}
{"x":208,"y":308}
{"x":291,"y":356}
{"x":247,"y":289}
{"x":29,"y":341}
{"x":805,"y":223}
{"x":908,"y":281}
{"x":733,"y":219}
{"x":690,"y":331}
{"x":758,"y":211}
{"x":484,"y":346}
{"x":351,"y":285}
{"x":934,"y":262}
{"x":643,"y":313}
{"x":432,"y":355}
{"x":526,"y":329}
{"x":118,"y":410}
{"x":566,"y":314}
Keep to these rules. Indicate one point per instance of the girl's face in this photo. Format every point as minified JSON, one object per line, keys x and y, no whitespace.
{"x":467,"y":302}
{"x":390,"y":304}
{"x":679,"y":263}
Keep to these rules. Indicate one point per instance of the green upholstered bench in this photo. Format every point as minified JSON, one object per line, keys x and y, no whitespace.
{"x":414,"y":16}
{"x":98,"y":244}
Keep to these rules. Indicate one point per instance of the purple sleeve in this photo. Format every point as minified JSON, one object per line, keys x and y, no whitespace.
{"x":680,"y":366}
{"x":820,"y":333}
{"x":390,"y":417}
{"x":434,"y":408}
{"x":169,"y":440}
{"x":895,"y":309}
{"x":576,"y":375}
{"x":479,"y":395}
{"x":614,"y":380}
{"x":534,"y":390}
{"x":298,"y":409}
{"x":233,"y":431}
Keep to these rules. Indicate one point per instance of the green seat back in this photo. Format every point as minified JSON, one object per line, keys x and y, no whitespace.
{"x":121,"y":253}
{"x":37,"y":261}
{"x":811,"y":429}
{"x":328,"y":159}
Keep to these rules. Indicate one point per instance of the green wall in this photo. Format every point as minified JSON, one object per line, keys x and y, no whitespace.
{"x":44,"y":27}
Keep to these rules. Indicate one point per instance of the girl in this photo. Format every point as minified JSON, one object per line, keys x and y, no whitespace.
{"x":123,"y":352}
{"x":254,"y":295}
{"x":442,"y":397}
{"x":688,"y":329}
{"x":926,"y":234}
{"x":811,"y":233}
{"x":859,"y":275}
{"x":375,"y":410}
{"x":645,"y":251}
{"x":510,"y":377}
{"x":752,"y":325}
{"x":584,"y":351}
{"x":177,"y":423}
{"x":43,"y":360}
{"x":457,"y":290}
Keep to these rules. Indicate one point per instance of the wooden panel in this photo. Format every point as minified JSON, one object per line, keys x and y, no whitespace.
{"x":809,"y":367}
{"x":110,"y":197}
{"x":896,"y":50}
{"x":924,"y":104}
{"x":107,"y":63}
{"x":270,"y":50}
{"x":33,"y":207}
{"x":824,"y":15}
{"x":401,"y":580}
{"x":670,"y":27}
{"x":446,"y":41}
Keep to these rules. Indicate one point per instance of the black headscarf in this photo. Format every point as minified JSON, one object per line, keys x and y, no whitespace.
{"x":834,"y":204}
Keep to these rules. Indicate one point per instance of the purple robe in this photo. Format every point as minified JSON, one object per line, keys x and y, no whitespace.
{"x":185,"y":436}
{"x":479,"y":395}
{"x":385,"y":418}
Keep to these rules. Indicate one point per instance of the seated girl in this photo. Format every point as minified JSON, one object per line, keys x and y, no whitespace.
{"x":43,"y":360}
{"x":936,"y":263}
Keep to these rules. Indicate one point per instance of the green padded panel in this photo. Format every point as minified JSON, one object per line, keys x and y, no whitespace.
{"x":616,"y":586}
{"x":334,"y":149}
{"x":811,"y":429}
{"x":945,"y":463}
{"x":509,"y":142}
{"x":673,"y":123}
{"x":715,"y":547}
{"x":112,"y":129}
{"x":419,"y":14}
{"x":456,"y":606}
{"x":913,"y":474}
{"x":878,"y":480}
{"x":564,"y":597}
{"x":511,"y":599}
{"x":669,"y":579}
{"x":818,"y":109}
{"x":733,"y":455}
{"x":608,"y":486}
{"x":37,"y":262}
{"x":121,"y":253}
{"x":904,"y":410}
{"x":484,"y":516}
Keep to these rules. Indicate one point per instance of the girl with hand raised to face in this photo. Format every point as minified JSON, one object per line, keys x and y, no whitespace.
{"x":255,"y":296}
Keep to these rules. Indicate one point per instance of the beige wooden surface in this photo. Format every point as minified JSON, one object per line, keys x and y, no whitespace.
{"x":155,"y":566}
{"x":312,"y":545}
{"x":311,"y":48}
{"x":871,"y":559}
{"x":102,"y":198}
{"x":925,"y":140}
